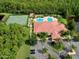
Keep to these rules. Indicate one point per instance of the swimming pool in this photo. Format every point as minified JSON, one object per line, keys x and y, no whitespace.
{"x":50,"y":19}
{"x":39,"y":19}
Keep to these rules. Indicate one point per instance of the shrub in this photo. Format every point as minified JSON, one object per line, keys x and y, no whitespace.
{"x":68,"y":57}
{"x":44,"y":50}
{"x":51,"y":57}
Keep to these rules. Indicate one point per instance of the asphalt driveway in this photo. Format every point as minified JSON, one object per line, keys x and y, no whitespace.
{"x":39,"y":55}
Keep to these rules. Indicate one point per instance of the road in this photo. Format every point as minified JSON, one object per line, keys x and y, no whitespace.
{"x":39,"y":55}
{"x":66,"y":44}
{"x":51,"y":51}
{"x":77,"y":26}
{"x":77,"y":50}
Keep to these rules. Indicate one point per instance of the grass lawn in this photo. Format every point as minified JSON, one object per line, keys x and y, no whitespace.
{"x":62,"y":20}
{"x":23,"y":52}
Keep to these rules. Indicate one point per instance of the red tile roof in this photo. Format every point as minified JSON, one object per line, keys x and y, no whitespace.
{"x":54,"y":28}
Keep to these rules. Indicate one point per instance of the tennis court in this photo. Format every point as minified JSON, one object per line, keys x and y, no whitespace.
{"x":18,"y":19}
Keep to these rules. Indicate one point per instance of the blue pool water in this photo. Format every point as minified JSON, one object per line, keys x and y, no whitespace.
{"x":39,"y":19}
{"x":50,"y":19}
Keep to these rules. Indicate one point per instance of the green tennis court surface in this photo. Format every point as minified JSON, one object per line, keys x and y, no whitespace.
{"x":19,"y":19}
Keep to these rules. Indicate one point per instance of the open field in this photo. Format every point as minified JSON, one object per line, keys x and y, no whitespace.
{"x":23,"y":52}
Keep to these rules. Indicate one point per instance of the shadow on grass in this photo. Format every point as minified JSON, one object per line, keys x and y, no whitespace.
{"x":27,"y":42}
{"x":31,"y":43}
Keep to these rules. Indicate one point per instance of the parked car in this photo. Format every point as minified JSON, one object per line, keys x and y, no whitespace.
{"x":32,"y":51}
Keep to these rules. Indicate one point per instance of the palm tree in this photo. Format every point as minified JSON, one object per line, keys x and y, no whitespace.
{"x":33,"y":39}
{"x":43,"y":37}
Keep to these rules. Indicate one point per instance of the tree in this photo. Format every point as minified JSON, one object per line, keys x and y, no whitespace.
{"x":68,"y":57}
{"x":44,"y":50}
{"x":61,"y":7}
{"x":72,"y":25}
{"x":12,"y":37}
{"x":33,"y":39}
{"x":51,"y":57}
{"x":77,"y":37}
{"x":42,"y":36}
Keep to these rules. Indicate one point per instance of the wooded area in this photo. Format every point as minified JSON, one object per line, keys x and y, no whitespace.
{"x":12,"y":37}
{"x":61,"y":7}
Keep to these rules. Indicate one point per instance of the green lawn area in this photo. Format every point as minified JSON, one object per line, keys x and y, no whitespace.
{"x":62,"y":20}
{"x":23,"y":52}
{"x":19,"y":19}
